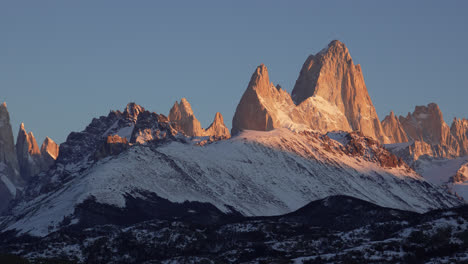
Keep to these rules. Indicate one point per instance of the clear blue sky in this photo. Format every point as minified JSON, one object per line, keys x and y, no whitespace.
{"x":64,"y":62}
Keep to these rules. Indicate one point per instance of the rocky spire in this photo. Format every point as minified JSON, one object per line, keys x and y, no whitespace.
{"x":7,"y":146}
{"x":49,"y":153}
{"x":9,"y":169}
{"x":426,"y":124}
{"x":132,"y":110}
{"x":27,"y":153}
{"x":218,"y":128}
{"x":183,"y":119}
{"x":393,"y":129}
{"x":252,"y":112}
{"x":332,"y":75}
{"x":459,"y":130}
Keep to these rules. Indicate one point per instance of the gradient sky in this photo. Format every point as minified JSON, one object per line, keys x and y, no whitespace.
{"x":64,"y":62}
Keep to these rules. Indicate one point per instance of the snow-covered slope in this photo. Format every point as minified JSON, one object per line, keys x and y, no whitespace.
{"x":255,"y":173}
{"x":449,"y":173}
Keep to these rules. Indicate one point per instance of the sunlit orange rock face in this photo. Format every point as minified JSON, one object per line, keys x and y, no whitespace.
{"x":31,"y":159}
{"x":332,"y":75}
{"x":49,"y":152}
{"x":183,"y":119}
{"x":113,"y":145}
{"x":428,"y":133}
{"x":28,"y":153}
{"x":218,"y":128}
{"x":330,"y":94}
{"x":459,"y":130}
{"x":393,"y":129}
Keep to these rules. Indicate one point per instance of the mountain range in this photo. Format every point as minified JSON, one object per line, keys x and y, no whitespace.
{"x":284,"y":151}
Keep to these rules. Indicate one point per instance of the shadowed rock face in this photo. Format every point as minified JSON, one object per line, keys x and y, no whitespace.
{"x":183,"y":119}
{"x":459,"y":130}
{"x":9,"y":169}
{"x":49,"y":152}
{"x":31,"y":159}
{"x":28,"y":153}
{"x":7,"y":145}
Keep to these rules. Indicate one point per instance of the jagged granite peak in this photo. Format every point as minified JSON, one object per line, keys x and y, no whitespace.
{"x":182,"y":119}
{"x":265,"y":107}
{"x":430,"y":136}
{"x":459,"y":129}
{"x":132,"y":110}
{"x":7,"y":145}
{"x":332,"y":75}
{"x":427,"y":124}
{"x":218,"y":128}
{"x":49,"y":153}
{"x":9,"y":170}
{"x":113,"y":145}
{"x":393,"y":129}
{"x":28,"y":154}
{"x":50,"y":147}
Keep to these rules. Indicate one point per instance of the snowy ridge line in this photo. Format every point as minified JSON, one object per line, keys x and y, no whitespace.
{"x":256,"y":173}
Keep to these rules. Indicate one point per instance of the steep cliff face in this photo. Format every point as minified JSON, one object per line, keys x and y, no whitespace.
{"x":264,"y":107}
{"x":332,"y":75}
{"x":49,"y":153}
{"x":9,"y":170}
{"x":329,"y":95}
{"x":459,"y":130}
{"x":31,"y":159}
{"x":393,"y":129}
{"x":28,"y":154}
{"x":183,"y":119}
{"x":426,"y":125}
{"x":427,"y":135}
{"x":218,"y":128}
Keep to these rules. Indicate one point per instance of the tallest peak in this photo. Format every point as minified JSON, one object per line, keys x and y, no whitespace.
{"x":336,"y":47}
{"x":336,"y":43}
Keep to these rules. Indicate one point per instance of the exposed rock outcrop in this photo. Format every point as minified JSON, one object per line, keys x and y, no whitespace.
{"x":183,"y":119}
{"x":49,"y":153}
{"x":429,"y":135}
{"x":28,"y":154}
{"x":426,"y":124}
{"x":9,"y":170}
{"x":329,"y":95}
{"x":332,"y":75}
{"x":31,"y":159}
{"x":265,"y":107}
{"x":459,"y":129}
{"x":393,"y":129}
{"x":113,"y":145}
{"x":218,"y":128}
